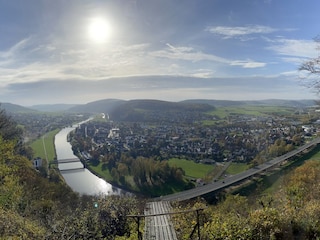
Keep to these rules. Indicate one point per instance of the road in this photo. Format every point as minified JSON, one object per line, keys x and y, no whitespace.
{"x":212,"y":187}
{"x":44,"y":148}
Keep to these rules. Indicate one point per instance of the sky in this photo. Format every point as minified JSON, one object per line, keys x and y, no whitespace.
{"x":79,"y":51}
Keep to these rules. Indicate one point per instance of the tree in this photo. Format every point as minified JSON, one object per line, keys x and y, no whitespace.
{"x":9,"y":182}
{"x":9,"y":130}
{"x":311,"y":69}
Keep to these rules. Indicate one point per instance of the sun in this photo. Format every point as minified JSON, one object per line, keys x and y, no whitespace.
{"x":99,"y":30}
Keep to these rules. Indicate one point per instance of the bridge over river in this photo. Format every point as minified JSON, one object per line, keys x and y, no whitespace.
{"x":69,"y":164}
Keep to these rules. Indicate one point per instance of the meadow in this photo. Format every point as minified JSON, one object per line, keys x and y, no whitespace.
{"x":43,"y":147}
{"x":236,"y":168}
{"x":192,"y":169}
{"x":223,"y":112}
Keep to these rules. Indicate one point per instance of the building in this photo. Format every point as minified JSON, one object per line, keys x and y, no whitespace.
{"x":37,"y":162}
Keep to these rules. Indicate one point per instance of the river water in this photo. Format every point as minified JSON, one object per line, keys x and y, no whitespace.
{"x":80,"y":179}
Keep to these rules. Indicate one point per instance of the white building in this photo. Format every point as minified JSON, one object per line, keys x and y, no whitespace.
{"x":37,"y":162}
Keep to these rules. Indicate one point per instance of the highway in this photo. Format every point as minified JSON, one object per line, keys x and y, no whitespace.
{"x":214,"y":186}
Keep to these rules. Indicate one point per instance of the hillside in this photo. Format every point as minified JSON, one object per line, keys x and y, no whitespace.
{"x":52,"y":107}
{"x":117,"y":105}
{"x":155,"y":110}
{"x":100,"y":106}
{"x":14,"y":108}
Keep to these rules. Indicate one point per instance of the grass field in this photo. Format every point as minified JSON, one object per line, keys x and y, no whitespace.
{"x":105,"y":174}
{"x":236,"y":168}
{"x":223,"y":112}
{"x":192,"y":169}
{"x":44,"y":146}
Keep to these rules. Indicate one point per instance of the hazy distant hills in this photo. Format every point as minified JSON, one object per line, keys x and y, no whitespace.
{"x":100,"y":106}
{"x":120,"y":108}
{"x":9,"y":107}
{"x":52,"y":107}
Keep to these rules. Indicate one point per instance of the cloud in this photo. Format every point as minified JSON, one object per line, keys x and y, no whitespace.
{"x":190,"y":54}
{"x":233,"y":32}
{"x":186,"y":53}
{"x":203,"y":73}
{"x":293,"y":49}
{"x":8,"y":56}
{"x":248,"y":64}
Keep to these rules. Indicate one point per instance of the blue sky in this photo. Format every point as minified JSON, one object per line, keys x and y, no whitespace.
{"x":155,"y":49}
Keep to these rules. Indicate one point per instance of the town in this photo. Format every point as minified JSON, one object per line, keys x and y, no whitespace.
{"x":240,"y":138}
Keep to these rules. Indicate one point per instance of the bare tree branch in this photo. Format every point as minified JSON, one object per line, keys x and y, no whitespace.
{"x":311,"y":70}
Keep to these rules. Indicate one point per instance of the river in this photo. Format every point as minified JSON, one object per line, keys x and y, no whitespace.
{"x":80,"y":179}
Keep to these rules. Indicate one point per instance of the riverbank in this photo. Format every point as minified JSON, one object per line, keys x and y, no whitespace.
{"x":80,"y":179}
{"x":107,"y":177}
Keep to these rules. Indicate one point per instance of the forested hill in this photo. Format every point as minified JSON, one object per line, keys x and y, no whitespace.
{"x":128,"y":110}
{"x":155,"y":110}
{"x":100,"y":106}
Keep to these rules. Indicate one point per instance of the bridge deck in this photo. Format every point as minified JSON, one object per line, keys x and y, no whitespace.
{"x":72,"y":170}
{"x":158,"y":227}
{"x":68,"y":160}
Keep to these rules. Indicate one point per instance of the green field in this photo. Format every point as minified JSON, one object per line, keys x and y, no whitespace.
{"x":44,"y":146}
{"x":192,"y":169}
{"x":97,"y":169}
{"x":236,"y":168}
{"x":223,"y":112}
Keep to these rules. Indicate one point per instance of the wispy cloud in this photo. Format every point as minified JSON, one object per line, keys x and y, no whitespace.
{"x":248,"y":64}
{"x":234,"y":32}
{"x":190,"y":54}
{"x":186,"y":53}
{"x":294,"y":48}
{"x":8,"y":56}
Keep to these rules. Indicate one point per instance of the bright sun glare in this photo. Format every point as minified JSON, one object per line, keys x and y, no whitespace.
{"x":99,"y":30}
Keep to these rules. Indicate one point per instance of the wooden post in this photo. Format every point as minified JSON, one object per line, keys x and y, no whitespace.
{"x":137,"y":218}
{"x":198,"y":223}
{"x":197,"y":226}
